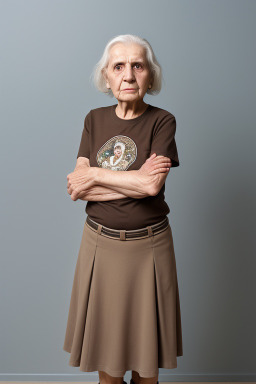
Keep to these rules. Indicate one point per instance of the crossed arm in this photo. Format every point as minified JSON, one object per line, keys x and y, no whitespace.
{"x":99,"y":184}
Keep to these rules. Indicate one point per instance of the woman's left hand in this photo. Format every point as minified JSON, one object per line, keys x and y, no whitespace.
{"x":80,"y":181}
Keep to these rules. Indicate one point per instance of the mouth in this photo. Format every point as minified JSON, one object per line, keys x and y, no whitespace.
{"x":129,"y":89}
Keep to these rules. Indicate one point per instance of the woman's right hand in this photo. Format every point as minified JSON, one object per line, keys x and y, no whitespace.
{"x":155,"y":164}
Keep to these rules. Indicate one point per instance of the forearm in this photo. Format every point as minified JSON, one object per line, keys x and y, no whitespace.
{"x":85,"y":181}
{"x":82,"y":185}
{"x":100,"y":193}
{"x":130,"y":183}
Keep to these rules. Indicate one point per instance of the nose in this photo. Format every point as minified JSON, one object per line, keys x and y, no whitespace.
{"x":128,"y":73}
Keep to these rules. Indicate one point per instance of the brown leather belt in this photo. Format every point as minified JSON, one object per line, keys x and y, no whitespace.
{"x":128,"y":234}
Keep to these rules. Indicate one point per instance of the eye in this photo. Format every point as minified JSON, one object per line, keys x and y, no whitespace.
{"x":117,"y":65}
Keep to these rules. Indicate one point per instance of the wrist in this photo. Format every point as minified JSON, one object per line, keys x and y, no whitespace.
{"x":96,"y":175}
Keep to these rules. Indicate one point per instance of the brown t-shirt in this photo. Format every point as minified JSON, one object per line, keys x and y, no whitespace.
{"x":122,"y":145}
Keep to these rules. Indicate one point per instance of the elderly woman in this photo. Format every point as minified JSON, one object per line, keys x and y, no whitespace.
{"x":124,"y":309}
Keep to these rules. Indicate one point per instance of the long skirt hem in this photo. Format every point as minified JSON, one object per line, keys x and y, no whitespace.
{"x":120,"y":373}
{"x":124,"y":308}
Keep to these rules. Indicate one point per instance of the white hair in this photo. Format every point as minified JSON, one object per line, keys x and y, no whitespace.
{"x":154,"y":67}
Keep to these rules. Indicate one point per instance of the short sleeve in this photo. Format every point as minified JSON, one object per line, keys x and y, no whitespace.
{"x":84,"y":148}
{"x":163,"y":142}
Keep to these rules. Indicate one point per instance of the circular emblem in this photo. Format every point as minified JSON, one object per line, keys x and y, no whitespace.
{"x":118,"y":153}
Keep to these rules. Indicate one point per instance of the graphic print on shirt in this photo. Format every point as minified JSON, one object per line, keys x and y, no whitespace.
{"x":117,"y":154}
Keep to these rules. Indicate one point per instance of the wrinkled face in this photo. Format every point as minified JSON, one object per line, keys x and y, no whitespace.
{"x":118,"y":151}
{"x":128,"y":73}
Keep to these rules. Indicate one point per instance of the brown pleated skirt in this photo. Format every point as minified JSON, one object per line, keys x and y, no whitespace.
{"x":124,"y":311}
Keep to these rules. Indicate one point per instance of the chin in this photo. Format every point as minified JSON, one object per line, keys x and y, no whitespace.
{"x":130,"y":96}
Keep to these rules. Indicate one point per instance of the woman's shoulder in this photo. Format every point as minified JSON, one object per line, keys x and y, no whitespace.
{"x":100,"y":110}
{"x":162,"y":112}
{"x":99,"y":113}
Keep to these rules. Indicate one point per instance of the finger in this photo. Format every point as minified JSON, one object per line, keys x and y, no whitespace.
{"x":162,"y":163}
{"x":160,"y":169}
{"x":157,"y":171}
{"x":78,"y":192}
{"x":151,"y":156}
{"x":164,"y":158}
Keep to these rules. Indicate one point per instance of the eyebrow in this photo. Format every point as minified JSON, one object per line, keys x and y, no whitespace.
{"x":133,"y":61}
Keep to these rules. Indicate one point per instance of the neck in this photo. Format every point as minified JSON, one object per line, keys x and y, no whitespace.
{"x":130,"y":110}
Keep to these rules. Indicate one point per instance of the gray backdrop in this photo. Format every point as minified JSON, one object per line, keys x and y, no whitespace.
{"x":207,"y":51}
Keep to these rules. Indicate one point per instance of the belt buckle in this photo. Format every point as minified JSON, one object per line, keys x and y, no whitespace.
{"x":122,"y":234}
{"x":99,"y":229}
{"x":150,"y":231}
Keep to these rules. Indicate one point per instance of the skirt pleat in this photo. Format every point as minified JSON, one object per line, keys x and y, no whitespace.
{"x":124,"y":311}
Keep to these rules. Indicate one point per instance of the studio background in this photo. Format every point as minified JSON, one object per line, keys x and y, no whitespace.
{"x":207,"y":52}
